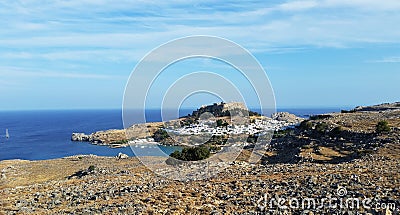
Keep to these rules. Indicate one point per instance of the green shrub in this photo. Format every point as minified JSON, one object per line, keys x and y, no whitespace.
{"x":382,"y":127}
{"x":217,"y":140}
{"x":214,"y":149}
{"x":221,"y":123}
{"x":176,"y":154}
{"x":188,"y":121}
{"x":282,"y":133}
{"x":321,"y":127}
{"x":239,"y":112}
{"x":192,"y":153}
{"x":348,"y":111}
{"x":251,"y":139}
{"x":306,"y":125}
{"x":337,"y":130}
{"x":91,"y":168}
{"x":119,"y":142}
{"x":318,"y":117}
{"x":160,"y":135}
{"x":253,"y":113}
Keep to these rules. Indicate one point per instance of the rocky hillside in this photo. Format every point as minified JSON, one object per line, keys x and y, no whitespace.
{"x":101,"y":185}
{"x":380,"y":107}
{"x":337,"y":156}
{"x":221,"y":109}
{"x":337,"y":137}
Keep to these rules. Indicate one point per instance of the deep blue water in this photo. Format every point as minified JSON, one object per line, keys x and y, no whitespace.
{"x":38,"y":135}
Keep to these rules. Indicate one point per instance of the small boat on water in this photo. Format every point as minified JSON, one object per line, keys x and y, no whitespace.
{"x":7,"y":134}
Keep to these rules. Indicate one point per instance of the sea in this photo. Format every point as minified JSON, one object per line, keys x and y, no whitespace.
{"x":46,"y":134}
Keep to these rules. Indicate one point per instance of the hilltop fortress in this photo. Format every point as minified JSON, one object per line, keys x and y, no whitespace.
{"x":222,"y":109}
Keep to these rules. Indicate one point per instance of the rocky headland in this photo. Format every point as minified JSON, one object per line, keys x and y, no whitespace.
{"x":116,"y":138}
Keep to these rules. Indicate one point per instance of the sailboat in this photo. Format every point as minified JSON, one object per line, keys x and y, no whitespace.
{"x":7,"y":134}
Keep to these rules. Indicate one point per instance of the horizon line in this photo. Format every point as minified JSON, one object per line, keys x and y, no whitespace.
{"x":170,"y":108}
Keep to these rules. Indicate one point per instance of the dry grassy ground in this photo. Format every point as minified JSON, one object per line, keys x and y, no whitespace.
{"x":125,"y":186}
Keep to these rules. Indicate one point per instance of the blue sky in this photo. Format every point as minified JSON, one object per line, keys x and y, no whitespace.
{"x":79,"y":54}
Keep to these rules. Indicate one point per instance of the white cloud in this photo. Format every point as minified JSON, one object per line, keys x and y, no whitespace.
{"x":297,"y":5}
{"x":114,"y":55}
{"x":86,"y":39}
{"x":89,"y":29}
{"x":395,"y":59}
{"x":27,"y":72}
{"x":386,"y":5}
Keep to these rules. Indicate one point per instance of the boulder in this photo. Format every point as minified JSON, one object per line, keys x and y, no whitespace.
{"x":122,"y":156}
{"x":82,"y":137}
{"x":287,"y":117}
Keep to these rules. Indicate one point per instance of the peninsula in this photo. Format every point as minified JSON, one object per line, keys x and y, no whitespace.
{"x":221,"y":125}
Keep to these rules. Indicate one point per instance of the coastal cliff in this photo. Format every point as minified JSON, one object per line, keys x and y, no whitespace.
{"x":101,"y":137}
{"x":116,"y":138}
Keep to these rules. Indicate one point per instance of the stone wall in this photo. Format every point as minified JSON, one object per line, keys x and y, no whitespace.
{"x":219,"y":109}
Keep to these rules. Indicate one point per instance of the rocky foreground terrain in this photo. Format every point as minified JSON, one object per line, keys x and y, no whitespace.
{"x":339,"y":161}
{"x":124,"y":186}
